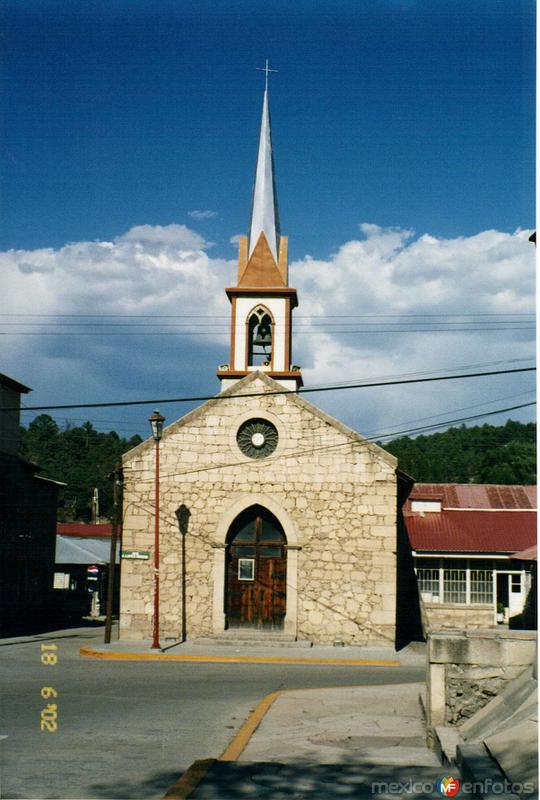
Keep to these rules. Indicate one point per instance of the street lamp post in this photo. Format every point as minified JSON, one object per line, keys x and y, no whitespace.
{"x":156,"y":423}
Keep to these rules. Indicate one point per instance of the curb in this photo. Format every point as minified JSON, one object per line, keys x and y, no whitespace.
{"x":241,"y":739}
{"x":189,"y":781}
{"x":89,"y":652}
{"x":196,"y":773}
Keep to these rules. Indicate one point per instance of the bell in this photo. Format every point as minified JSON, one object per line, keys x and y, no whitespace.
{"x":263,"y":335}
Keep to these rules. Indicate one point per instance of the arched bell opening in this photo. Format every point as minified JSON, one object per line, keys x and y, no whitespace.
{"x":256,"y":571}
{"x":260,"y":336}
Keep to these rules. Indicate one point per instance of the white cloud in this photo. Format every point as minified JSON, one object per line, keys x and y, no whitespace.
{"x":200,"y":216}
{"x":390,"y":273}
{"x":153,"y":271}
{"x":170,"y":235}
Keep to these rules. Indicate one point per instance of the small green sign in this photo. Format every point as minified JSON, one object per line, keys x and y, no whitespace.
{"x":142,"y":555}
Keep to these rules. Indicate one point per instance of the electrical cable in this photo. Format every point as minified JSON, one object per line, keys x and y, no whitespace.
{"x":224,"y":396}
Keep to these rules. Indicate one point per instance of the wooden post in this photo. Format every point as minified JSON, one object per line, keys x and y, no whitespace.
{"x":112,"y":558}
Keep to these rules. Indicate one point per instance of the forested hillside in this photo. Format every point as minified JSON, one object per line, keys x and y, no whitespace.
{"x":481,"y":454}
{"x":81,"y":457}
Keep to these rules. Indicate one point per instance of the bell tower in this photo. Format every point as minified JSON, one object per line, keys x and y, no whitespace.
{"x":262,"y":301}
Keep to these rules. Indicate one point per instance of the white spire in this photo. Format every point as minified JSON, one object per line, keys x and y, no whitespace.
{"x":264,"y":214}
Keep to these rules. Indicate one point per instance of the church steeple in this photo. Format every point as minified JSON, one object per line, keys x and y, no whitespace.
{"x":264,"y":211}
{"x":262,"y":302}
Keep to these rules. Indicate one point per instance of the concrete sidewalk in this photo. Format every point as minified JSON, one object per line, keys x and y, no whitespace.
{"x":324,"y":743}
{"x":252,"y":652}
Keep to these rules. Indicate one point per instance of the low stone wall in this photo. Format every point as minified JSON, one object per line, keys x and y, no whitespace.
{"x":447,"y":616}
{"x":467,"y":668}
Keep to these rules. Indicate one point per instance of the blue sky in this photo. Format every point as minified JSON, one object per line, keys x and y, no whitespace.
{"x":416,"y":114}
{"x":404,"y":114}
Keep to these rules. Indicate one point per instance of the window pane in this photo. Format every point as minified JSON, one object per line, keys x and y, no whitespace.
{"x":428,"y":583}
{"x":244,"y":551}
{"x":455,"y":586}
{"x":270,"y":532}
{"x":481,"y":586}
{"x":245,"y":534}
{"x":246,"y":569}
{"x":267,"y":552}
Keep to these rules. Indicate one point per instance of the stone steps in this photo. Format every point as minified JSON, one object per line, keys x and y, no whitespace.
{"x":252,"y":638}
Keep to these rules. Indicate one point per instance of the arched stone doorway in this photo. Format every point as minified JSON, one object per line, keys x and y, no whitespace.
{"x":256,"y":571}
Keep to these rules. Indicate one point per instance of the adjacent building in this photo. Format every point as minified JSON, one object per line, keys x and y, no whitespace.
{"x":464,"y":539}
{"x":83,"y":552}
{"x":28,"y":503}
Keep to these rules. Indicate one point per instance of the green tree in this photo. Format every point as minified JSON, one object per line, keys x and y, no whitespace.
{"x":479,"y":454}
{"x":81,"y":457}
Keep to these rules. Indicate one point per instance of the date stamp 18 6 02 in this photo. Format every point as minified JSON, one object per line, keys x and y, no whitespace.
{"x":49,"y":714}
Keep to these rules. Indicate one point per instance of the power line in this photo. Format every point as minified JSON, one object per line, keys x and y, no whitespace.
{"x":276,"y":392}
{"x":386,"y":377}
{"x":351,"y":443}
{"x":303,"y":316}
{"x":119,"y":423}
{"x":300,"y":332}
{"x":463,"y":408}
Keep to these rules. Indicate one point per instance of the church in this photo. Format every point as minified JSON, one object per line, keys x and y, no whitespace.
{"x":275,"y":520}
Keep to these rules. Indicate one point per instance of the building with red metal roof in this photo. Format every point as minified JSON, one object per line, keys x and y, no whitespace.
{"x":467,"y":542}
{"x":83,"y":529}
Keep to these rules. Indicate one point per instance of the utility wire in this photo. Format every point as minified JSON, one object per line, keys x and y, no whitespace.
{"x":276,"y":392}
{"x":351,"y":443}
{"x":225,"y":331}
{"x":120,"y":423}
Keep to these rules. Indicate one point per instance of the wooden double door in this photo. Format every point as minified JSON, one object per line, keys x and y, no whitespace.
{"x":256,"y":586}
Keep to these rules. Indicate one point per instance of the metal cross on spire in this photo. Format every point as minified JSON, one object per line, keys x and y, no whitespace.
{"x":266,"y":70}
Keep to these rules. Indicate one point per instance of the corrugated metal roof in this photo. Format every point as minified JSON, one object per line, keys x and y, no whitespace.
{"x":471,"y":531}
{"x":70,"y":550}
{"x":471,"y":495}
{"x":82,"y":529}
{"x":530,"y":554}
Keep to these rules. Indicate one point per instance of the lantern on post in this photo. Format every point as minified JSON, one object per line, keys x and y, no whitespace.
{"x":156,"y":424}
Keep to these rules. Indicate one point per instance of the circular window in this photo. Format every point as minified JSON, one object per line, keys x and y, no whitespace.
{"x":257,"y":438}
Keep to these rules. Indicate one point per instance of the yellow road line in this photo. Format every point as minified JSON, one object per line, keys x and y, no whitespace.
{"x":189,"y":781}
{"x":238,"y":744}
{"x":113,"y":656}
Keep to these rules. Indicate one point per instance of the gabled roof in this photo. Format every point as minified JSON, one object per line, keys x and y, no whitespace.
{"x":471,"y":531}
{"x":242,"y":388}
{"x":11,"y":383}
{"x":476,"y":496}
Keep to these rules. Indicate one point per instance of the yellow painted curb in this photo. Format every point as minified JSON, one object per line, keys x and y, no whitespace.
{"x":238,"y":744}
{"x":88,"y":652}
{"x":189,"y":781}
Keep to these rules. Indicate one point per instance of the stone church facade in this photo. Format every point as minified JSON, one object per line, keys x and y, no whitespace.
{"x":273,"y":515}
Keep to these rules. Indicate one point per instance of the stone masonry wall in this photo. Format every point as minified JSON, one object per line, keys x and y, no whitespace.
{"x":339,"y":493}
{"x":466,"y":669}
{"x":441,"y":616}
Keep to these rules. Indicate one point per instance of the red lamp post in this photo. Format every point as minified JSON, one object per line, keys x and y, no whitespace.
{"x":156,"y":423}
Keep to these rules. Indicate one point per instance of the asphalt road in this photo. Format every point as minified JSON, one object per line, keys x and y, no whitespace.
{"x":129,"y":729}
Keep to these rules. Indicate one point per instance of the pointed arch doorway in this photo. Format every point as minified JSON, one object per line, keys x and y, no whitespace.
{"x":256,"y":571}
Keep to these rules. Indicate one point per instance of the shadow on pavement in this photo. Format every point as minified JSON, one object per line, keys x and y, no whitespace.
{"x":152,"y":788}
{"x":351,"y":777}
{"x":36,"y":628}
